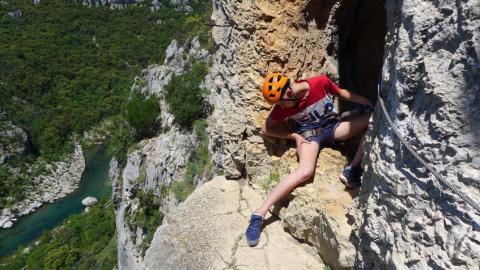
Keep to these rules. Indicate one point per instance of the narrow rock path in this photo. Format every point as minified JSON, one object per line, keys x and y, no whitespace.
{"x":207,"y":232}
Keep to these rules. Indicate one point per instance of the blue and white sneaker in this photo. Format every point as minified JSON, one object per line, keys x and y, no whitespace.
{"x":350,"y":177}
{"x":253,"y":231}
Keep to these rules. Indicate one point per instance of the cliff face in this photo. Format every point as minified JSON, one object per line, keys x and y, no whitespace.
{"x":402,"y":218}
{"x":301,"y":39}
{"x":155,"y":163}
{"x":255,"y":37}
{"x":405,"y":217}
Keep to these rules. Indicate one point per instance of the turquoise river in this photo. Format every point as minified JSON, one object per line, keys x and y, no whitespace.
{"x":95,"y":182}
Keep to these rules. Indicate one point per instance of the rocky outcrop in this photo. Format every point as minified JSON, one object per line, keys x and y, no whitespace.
{"x":155,"y":163}
{"x":293,"y":37}
{"x":111,"y":3}
{"x":180,"y":5}
{"x":12,"y":138}
{"x":252,"y":39}
{"x":405,"y":217}
{"x":317,"y":212}
{"x":214,"y":218}
{"x":63,"y":178}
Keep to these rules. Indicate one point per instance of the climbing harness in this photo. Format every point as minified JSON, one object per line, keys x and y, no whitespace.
{"x":442,"y":180}
{"x":312,"y":132}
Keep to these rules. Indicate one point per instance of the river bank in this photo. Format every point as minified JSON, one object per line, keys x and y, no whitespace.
{"x":94,"y":182}
{"x":63,"y":178}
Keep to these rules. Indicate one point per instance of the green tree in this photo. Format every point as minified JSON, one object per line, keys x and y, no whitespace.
{"x":142,"y":114}
{"x":184,"y":95}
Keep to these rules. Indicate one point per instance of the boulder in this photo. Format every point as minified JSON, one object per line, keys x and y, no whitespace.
{"x":317,"y":214}
{"x":89,"y":201}
{"x":7,"y":224}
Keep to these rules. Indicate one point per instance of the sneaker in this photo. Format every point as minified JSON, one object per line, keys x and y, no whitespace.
{"x":350,"y":177}
{"x":253,"y":231}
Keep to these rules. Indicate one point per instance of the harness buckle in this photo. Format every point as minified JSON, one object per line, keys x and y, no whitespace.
{"x":312,"y":132}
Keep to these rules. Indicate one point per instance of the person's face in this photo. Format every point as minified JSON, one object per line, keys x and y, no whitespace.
{"x":288,"y":99}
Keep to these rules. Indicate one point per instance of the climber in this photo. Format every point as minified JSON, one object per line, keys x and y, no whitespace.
{"x":309,"y":104}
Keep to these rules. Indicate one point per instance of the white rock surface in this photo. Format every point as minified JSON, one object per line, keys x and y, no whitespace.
{"x":404,"y":217}
{"x":207,"y":232}
{"x":7,"y":224}
{"x":158,"y":162}
{"x":12,"y":138}
{"x":89,"y":201}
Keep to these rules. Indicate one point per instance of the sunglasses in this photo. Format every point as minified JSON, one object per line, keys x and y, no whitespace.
{"x":287,"y":95}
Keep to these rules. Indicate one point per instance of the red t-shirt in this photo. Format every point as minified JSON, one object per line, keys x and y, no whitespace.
{"x":313,"y":109}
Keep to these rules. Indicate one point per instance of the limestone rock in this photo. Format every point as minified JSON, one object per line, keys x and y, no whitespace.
{"x":89,"y":201}
{"x":7,"y":224}
{"x":404,"y":218}
{"x":153,"y":80}
{"x":318,"y":212}
{"x":291,"y":37}
{"x":158,"y":162}
{"x":207,"y":232}
{"x":261,"y":36}
{"x":182,"y":5}
{"x":111,"y":3}
{"x":15,"y":14}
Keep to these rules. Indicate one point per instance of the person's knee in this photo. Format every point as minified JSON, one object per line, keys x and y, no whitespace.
{"x":305,"y":173}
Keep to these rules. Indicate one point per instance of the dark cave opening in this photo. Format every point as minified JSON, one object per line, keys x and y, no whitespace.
{"x":359,"y":29}
{"x":362,"y":26}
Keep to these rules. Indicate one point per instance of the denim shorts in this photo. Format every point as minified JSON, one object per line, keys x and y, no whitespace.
{"x":325,"y":138}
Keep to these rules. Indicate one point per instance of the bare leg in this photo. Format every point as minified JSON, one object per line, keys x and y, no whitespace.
{"x":308,"y":158}
{"x":358,"y":155}
{"x":347,"y":129}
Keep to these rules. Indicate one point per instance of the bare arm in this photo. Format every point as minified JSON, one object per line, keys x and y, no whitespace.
{"x":352,"y":97}
{"x":277,"y":129}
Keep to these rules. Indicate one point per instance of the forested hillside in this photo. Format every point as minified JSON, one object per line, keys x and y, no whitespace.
{"x":65,"y":68}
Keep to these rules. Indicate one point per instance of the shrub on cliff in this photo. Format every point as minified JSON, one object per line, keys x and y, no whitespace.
{"x":198,"y":164}
{"x":120,"y":139}
{"x":184,"y":95}
{"x":142,"y":114}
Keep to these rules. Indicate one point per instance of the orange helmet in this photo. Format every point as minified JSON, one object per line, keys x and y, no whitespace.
{"x":274,"y":86}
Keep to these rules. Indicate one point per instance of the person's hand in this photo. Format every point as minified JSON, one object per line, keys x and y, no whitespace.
{"x":299,"y":140}
{"x":368,"y":107}
{"x":368,"y":103}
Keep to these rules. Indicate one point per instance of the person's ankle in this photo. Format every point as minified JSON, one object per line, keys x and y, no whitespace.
{"x":258,"y":213}
{"x":354,"y":166}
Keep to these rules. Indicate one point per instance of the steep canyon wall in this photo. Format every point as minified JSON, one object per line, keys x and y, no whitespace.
{"x":404,"y":216}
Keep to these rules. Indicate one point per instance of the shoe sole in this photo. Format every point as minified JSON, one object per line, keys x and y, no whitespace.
{"x":252,"y":244}
{"x":345,"y":182}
